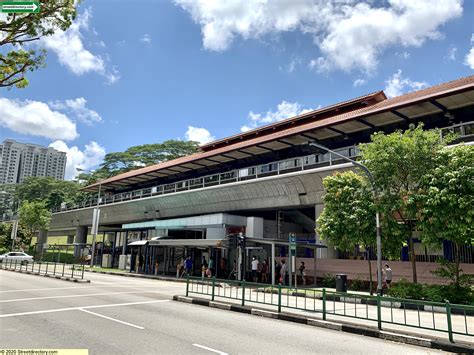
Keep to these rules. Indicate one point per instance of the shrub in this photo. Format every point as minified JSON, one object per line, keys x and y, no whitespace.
{"x":405,"y":289}
{"x":329,"y":281}
{"x":358,"y":284}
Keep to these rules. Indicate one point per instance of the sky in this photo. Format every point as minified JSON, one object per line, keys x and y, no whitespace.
{"x":128,"y":73}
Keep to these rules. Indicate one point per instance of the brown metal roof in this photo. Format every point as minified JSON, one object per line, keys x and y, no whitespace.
{"x":234,"y":150}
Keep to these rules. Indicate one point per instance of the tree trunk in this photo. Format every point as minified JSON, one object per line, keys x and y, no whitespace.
{"x":456,"y":260}
{"x":370,"y":272}
{"x":412,"y":254}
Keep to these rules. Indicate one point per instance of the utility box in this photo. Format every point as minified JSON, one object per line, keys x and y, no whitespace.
{"x":123,"y":262}
{"x":341,"y":283}
{"x":107,"y":260}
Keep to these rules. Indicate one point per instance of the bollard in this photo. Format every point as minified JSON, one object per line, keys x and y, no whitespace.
{"x":379,"y":312}
{"x":324,"y":304}
{"x":450,"y":326}
{"x":63,"y":269}
{"x":243,"y":293}
{"x":279,"y":298}
{"x":213,"y":287}
{"x":82,"y":276}
{"x":72,"y":271}
{"x":187,"y":285}
{"x":47,"y":265}
{"x":54,"y":269}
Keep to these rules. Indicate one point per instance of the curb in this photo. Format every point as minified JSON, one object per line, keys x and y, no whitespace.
{"x":373,"y":332}
{"x":63,"y":278}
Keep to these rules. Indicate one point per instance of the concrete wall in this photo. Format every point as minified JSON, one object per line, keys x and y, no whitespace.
{"x":359,"y":268}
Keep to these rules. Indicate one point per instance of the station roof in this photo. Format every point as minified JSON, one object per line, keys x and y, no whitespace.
{"x":367,"y":112}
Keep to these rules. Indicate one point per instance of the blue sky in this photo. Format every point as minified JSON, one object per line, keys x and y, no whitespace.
{"x":203,"y":70}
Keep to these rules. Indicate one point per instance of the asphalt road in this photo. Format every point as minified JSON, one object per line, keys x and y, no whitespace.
{"x":117,"y":315}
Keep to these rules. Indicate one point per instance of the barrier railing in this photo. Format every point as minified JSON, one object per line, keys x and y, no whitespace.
{"x":435,"y":316}
{"x":74,"y":271}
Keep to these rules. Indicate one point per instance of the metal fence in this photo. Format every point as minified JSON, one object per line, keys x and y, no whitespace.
{"x":74,"y":271}
{"x":435,"y":316}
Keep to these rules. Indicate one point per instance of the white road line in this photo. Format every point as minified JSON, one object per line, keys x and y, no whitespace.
{"x":83,"y":307}
{"x":79,"y":295}
{"x":112,"y":319}
{"x":80,"y":287}
{"x":210,"y":349}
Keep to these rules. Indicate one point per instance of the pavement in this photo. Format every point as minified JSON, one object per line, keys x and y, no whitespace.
{"x":117,"y":315}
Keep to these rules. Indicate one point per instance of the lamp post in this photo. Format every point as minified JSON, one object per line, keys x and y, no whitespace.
{"x":377,"y":215}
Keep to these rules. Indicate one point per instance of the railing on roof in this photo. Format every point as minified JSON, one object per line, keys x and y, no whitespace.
{"x":280,"y":167}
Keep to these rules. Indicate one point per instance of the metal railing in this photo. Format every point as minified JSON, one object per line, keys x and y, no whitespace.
{"x":73,"y":271}
{"x":435,"y":316}
{"x":280,"y":167}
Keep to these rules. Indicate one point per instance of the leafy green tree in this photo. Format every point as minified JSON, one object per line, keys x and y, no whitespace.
{"x":145,"y":155}
{"x":448,"y":201}
{"x":399,"y":161}
{"x":17,"y":30}
{"x":5,"y":237}
{"x":34,"y":216}
{"x":51,"y":191}
{"x":348,"y":218}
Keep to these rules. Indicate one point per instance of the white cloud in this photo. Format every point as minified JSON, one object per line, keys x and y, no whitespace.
{"x":86,"y":159}
{"x":37,"y":119}
{"x":69,"y":47}
{"x":284,"y":110}
{"x":359,"y":82}
{"x":452,"y":53}
{"x":200,"y":135}
{"x":469,"y":58}
{"x":350,"y":35}
{"x":397,"y":85}
{"x":77,"y":108}
{"x":146,"y":38}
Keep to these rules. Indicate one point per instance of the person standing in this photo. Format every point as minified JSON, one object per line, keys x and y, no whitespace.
{"x":254,"y":269}
{"x":179,"y":268}
{"x":283,"y":270}
{"x":303,"y":273}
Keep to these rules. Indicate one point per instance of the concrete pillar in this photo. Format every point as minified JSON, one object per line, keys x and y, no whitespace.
{"x":70,"y":239}
{"x":42,"y":239}
{"x":80,"y":240}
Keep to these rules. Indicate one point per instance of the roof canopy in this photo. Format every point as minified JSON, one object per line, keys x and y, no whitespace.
{"x":368,"y":112}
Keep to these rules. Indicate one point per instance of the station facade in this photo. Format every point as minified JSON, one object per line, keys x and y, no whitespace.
{"x":264,"y":184}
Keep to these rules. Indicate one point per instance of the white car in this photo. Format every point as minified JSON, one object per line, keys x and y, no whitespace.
{"x":17,"y":256}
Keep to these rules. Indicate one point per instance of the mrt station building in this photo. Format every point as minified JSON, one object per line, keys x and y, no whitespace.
{"x":264,"y":183}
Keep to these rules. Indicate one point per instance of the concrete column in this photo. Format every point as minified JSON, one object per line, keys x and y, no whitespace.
{"x":80,"y":240}
{"x":70,"y":239}
{"x":42,"y":239}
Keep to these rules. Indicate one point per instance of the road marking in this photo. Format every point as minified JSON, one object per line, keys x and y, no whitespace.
{"x":82,"y":287}
{"x":112,"y":319}
{"x":79,"y":295}
{"x":210,"y":349}
{"x":83,"y":307}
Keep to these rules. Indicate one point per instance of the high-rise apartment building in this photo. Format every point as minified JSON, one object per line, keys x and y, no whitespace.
{"x":19,"y":161}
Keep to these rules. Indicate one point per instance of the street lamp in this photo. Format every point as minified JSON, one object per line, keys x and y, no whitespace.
{"x":377,"y":215}
{"x":95,"y":221}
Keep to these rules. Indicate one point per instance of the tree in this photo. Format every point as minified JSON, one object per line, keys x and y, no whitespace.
{"x":17,"y":30}
{"x":145,"y":155}
{"x":348,"y":218}
{"x":34,"y":216}
{"x":48,"y":190}
{"x":448,"y":201}
{"x":399,"y":161}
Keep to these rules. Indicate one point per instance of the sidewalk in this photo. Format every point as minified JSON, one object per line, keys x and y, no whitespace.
{"x":116,"y":272}
{"x":433,"y":340}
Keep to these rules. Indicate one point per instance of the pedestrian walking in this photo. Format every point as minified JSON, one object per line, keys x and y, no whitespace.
{"x":283,"y":270}
{"x":179,"y":268}
{"x":188,"y":266}
{"x":233,"y":272}
{"x":388,"y":275}
{"x":303,"y":273}
{"x":254,"y":269}
{"x":265,"y":271}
